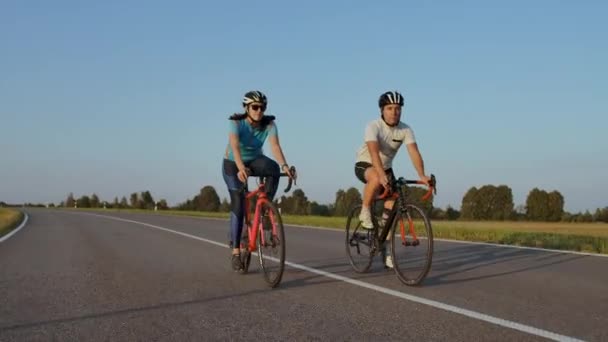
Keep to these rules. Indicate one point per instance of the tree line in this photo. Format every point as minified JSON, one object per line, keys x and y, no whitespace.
{"x":488,"y":202}
{"x":141,"y":200}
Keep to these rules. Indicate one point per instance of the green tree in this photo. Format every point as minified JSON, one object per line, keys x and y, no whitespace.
{"x":207,"y":199}
{"x":147,"y":201}
{"x":451,"y":213}
{"x":536,"y":205}
{"x":544,"y":206}
{"x":123,"y":203}
{"x":318,"y":209}
{"x":94,"y":201}
{"x":340,"y":208}
{"x":84,"y":202}
{"x":601,"y":215}
{"x":438,"y":214}
{"x":469,"y":205}
{"x":300,"y":203}
{"x":555,"y":201}
{"x":352,"y":198}
{"x":162,"y":204}
{"x":286,"y":204}
{"x":225,"y":206}
{"x":346,"y":200}
{"x":134,"y":200}
{"x":187,"y":205}
{"x":70,"y":201}
{"x":488,"y":203}
{"x":585,"y":218}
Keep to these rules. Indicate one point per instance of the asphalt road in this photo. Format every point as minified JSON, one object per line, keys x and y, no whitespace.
{"x":77,"y":276}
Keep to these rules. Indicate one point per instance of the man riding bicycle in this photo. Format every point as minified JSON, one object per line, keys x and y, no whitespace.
{"x":383,"y":138}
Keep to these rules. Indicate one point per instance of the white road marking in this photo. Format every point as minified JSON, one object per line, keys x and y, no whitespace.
{"x":435,"y":304}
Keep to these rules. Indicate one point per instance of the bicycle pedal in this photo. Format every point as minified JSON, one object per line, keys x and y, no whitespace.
{"x":412,"y":243}
{"x":359,"y":236}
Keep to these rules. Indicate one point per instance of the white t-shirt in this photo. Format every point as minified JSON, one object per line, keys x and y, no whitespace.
{"x":389,"y":140}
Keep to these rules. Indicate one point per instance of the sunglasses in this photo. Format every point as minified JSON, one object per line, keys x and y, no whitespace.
{"x":258,"y":107}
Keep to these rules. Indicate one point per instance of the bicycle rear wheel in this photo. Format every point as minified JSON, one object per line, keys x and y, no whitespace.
{"x":359,"y":242}
{"x":412,"y":245}
{"x":271,"y":244}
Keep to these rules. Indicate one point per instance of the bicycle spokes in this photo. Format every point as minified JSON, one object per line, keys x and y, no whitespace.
{"x":412,"y":250}
{"x":271,"y":239}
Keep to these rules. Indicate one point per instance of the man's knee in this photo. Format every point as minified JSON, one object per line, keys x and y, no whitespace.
{"x":372,"y":178}
{"x":388,"y":204}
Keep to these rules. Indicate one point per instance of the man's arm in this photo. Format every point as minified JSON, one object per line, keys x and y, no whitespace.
{"x":417,"y":161}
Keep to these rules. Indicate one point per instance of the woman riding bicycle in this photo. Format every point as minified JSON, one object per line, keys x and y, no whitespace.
{"x":244,"y":157}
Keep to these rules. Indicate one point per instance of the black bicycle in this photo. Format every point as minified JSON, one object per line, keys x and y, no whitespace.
{"x":411,"y":235}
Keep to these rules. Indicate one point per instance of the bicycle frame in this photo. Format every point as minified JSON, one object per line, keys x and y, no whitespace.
{"x":252,"y":229}
{"x":400,"y":206}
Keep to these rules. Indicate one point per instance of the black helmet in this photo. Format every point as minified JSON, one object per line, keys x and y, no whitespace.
{"x":255,"y":96}
{"x":390,"y":97}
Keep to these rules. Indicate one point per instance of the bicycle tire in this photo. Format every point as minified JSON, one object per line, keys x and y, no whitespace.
{"x":426,"y":240}
{"x":245,"y":252}
{"x":272,"y":277}
{"x":357,"y":241}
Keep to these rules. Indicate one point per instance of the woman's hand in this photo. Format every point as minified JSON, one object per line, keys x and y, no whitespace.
{"x":243,"y":174}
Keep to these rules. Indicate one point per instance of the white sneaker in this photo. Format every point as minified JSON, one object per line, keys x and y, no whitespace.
{"x":366,"y":219}
{"x":389,"y":261}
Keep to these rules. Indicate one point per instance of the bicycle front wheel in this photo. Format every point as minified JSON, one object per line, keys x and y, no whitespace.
{"x":412,"y":245}
{"x":271,"y":244}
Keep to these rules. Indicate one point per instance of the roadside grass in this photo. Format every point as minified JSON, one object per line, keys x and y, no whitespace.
{"x":9,"y":220}
{"x":582,"y":237}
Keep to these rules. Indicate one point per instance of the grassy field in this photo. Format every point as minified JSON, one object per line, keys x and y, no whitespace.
{"x":584,"y":237}
{"x":9,"y":219}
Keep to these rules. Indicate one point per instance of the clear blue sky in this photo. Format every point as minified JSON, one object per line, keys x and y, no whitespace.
{"x":111,"y":97}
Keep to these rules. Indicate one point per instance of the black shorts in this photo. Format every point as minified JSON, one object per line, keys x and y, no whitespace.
{"x":360,"y":168}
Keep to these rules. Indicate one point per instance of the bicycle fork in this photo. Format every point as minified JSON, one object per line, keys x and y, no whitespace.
{"x":403,"y":212}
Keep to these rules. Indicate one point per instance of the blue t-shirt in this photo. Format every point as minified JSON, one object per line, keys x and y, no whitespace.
{"x":251,"y":139}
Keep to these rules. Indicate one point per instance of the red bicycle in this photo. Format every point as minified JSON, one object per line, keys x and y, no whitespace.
{"x":267,"y":232}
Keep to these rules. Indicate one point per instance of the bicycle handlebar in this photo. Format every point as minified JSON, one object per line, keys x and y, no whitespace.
{"x":292,"y":170}
{"x":401,"y":181}
{"x":292,"y":181}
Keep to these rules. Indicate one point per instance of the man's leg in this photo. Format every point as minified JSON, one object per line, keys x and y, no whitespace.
{"x":372,"y":184}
